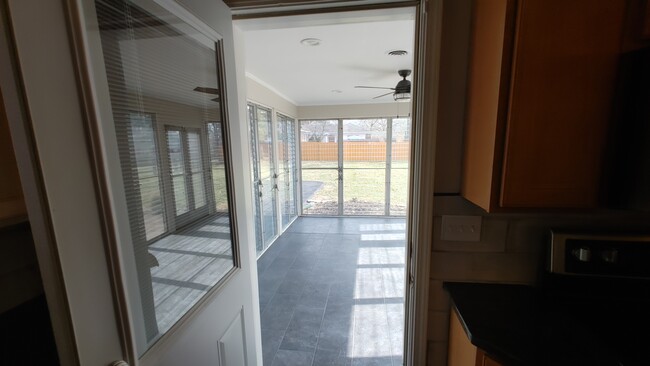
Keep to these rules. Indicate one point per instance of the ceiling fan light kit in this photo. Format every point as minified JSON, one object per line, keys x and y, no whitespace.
{"x":401,"y":96}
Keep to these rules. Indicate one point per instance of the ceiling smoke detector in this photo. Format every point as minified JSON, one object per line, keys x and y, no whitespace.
{"x":397,"y":53}
{"x":311,"y":42}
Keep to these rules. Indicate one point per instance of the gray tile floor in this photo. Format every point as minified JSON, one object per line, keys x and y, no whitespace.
{"x":332,"y":293}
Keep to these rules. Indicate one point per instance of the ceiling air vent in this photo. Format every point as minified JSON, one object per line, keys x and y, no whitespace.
{"x":397,"y":53}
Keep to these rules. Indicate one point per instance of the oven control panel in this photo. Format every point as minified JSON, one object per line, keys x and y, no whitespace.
{"x":599,"y":255}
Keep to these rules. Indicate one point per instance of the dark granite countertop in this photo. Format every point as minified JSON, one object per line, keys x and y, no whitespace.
{"x":519,"y":325}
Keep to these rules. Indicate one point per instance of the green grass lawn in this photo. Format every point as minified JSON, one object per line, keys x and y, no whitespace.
{"x":364,"y":185}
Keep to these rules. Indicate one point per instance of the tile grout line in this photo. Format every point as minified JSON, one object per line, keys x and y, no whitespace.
{"x":321,"y":324}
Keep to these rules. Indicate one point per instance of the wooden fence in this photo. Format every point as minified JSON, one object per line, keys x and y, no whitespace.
{"x":354,"y":151}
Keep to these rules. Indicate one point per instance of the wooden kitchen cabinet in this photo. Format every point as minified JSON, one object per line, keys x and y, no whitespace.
{"x":461,"y":351}
{"x":541,"y":84}
{"x":12,"y":203}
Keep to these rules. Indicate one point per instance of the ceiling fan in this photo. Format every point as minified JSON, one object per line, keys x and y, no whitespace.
{"x":401,"y":91}
{"x":207,"y":90}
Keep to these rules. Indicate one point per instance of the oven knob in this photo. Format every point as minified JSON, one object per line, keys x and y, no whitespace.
{"x":582,"y":254}
{"x":609,"y":256}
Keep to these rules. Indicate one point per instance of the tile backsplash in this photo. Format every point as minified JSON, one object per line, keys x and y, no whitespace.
{"x":511,"y":250}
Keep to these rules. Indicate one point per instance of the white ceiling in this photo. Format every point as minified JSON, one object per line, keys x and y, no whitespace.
{"x":353,"y":52}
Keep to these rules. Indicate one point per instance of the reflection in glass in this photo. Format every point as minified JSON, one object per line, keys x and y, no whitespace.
{"x":166,"y":113}
{"x":143,"y":139}
{"x":177,"y":167}
{"x":196,"y":168}
{"x":217,"y":165}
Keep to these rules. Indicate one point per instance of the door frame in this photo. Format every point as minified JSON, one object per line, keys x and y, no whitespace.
{"x":35,"y":195}
{"x":428,"y":32}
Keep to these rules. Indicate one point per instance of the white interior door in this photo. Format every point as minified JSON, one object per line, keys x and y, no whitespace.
{"x":142,"y":152}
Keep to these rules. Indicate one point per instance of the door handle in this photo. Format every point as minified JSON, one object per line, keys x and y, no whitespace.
{"x":119,"y":363}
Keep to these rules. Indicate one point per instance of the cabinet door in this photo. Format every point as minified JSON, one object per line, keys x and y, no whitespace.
{"x":564,"y":71}
{"x":482,"y":359}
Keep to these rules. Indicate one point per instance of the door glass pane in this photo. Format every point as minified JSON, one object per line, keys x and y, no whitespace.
{"x":318,"y":144}
{"x":320,"y":192}
{"x":286,"y":162}
{"x":399,"y":175}
{"x":176,"y":149}
{"x":255,"y":173}
{"x":217,"y":166}
{"x":364,"y":166}
{"x":162,"y":72}
{"x":196,"y":168}
{"x":319,"y":159}
{"x":266,"y":174}
{"x":143,"y":137}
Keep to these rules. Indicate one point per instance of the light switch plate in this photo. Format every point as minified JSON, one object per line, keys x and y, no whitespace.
{"x":461,"y":228}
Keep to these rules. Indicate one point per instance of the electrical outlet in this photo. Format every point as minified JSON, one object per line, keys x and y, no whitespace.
{"x":461,"y":228}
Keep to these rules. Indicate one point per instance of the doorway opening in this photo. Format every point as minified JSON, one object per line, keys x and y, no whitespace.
{"x":330,"y":138}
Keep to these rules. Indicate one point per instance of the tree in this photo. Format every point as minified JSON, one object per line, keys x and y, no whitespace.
{"x":317,"y":130}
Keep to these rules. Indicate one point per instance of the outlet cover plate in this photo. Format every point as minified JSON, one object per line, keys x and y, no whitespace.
{"x":461,"y":228}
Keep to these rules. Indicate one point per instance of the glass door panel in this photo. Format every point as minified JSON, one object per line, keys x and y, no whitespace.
{"x":217,"y":166}
{"x":197,"y":173}
{"x":399,"y":166}
{"x":267,"y":174}
{"x":255,"y":174}
{"x":176,"y":149}
{"x":265,"y":184}
{"x":364,"y":166}
{"x":320,"y":192}
{"x":145,"y":149}
{"x":287,"y":168}
{"x":319,"y":154}
{"x":163,"y":77}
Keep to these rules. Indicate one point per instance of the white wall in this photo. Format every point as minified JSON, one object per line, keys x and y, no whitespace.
{"x":259,"y":93}
{"x":392,"y":109}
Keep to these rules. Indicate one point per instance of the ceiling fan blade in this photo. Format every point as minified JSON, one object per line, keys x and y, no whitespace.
{"x":383,"y":95}
{"x":207,"y":90}
{"x":373,"y":87}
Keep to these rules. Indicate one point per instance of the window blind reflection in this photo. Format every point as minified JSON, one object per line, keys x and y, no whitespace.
{"x":166,"y":112}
